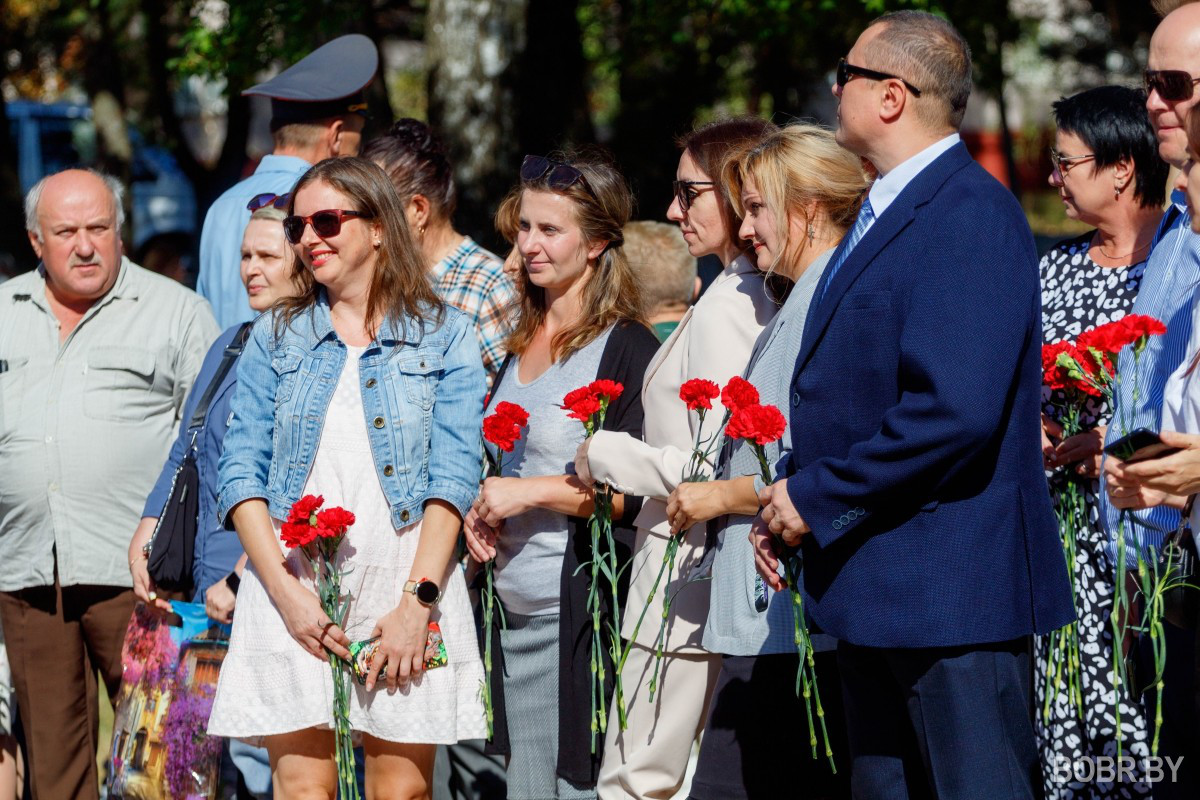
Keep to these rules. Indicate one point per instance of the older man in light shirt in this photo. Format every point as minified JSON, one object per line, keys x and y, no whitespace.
{"x":96,"y":358}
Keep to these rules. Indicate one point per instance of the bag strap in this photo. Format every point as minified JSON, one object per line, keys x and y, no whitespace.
{"x":232,"y":351}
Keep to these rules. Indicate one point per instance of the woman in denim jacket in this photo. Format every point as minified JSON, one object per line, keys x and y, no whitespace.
{"x":366,"y":390}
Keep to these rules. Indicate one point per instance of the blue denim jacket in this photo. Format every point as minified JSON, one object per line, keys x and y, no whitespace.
{"x":422,"y":389}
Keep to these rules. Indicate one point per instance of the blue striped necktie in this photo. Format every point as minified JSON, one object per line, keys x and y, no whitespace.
{"x":866,"y":216}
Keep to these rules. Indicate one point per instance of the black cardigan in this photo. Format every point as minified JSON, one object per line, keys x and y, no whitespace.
{"x":627,"y":353}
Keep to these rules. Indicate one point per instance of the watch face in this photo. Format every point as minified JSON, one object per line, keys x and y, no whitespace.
{"x":427,"y":592}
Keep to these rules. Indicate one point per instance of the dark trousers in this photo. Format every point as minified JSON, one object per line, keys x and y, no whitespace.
{"x":57,"y":639}
{"x":945,"y":723}
{"x":756,"y":725}
{"x":1180,"y":733}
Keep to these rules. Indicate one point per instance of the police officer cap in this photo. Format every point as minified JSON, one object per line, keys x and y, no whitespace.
{"x":328,"y":82}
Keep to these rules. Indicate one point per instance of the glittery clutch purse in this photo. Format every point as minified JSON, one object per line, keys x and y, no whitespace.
{"x":362,"y":653}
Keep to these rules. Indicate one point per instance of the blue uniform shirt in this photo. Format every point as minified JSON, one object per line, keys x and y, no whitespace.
{"x":220,"y":280}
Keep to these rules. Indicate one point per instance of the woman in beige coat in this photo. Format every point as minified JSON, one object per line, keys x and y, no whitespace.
{"x":713,"y":341}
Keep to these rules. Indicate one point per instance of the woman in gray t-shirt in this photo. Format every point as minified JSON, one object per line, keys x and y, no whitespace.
{"x":577,"y":300}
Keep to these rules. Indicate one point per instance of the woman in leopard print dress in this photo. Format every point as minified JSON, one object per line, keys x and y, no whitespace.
{"x":1107,"y":171}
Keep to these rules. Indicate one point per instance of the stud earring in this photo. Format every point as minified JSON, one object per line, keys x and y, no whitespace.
{"x":420,"y":230}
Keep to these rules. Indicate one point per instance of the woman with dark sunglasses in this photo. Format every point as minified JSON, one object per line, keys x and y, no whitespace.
{"x":713,"y":342}
{"x":366,"y":390}
{"x":579,"y":318}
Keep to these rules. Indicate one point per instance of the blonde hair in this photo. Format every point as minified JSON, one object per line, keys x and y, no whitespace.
{"x":602,"y":204}
{"x":659,"y":258}
{"x":794,"y":168}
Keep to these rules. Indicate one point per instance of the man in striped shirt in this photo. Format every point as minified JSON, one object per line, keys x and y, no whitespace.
{"x":1168,"y":285}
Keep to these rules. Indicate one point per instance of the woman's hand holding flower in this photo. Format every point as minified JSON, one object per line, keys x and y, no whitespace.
{"x":695,"y":502}
{"x":307,"y":622}
{"x":501,"y":498}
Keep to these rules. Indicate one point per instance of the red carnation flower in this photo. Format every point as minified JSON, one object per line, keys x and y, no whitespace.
{"x":303,"y":509}
{"x":512,"y":411}
{"x":297,"y":534}
{"x":334,"y":521}
{"x":501,"y":431}
{"x":699,"y":393}
{"x":1138,"y":326}
{"x":606,"y":390}
{"x":759,"y":424}
{"x":583,"y":408}
{"x":739,"y":393}
{"x":575,"y":395}
{"x":1053,"y":375}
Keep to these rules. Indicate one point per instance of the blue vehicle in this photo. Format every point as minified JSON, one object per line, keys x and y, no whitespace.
{"x":54,"y":136}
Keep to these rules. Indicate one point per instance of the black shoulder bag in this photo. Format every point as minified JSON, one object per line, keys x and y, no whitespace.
{"x":172,"y":546}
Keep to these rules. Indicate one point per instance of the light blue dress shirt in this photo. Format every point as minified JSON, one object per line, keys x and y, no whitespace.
{"x":220,"y":280}
{"x":888,"y":187}
{"x":1168,"y":284}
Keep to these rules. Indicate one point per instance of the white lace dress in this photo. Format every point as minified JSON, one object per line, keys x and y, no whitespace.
{"x":270,"y":685}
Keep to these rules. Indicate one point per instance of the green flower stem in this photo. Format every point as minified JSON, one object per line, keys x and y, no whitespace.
{"x":329,"y":590}
{"x":668,"y":562}
{"x":806,"y":669}
{"x":660,"y":639}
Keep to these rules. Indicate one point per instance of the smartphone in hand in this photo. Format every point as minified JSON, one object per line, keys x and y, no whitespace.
{"x":1139,"y":445}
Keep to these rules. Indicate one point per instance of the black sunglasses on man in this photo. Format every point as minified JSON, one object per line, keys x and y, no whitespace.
{"x":845,"y":71}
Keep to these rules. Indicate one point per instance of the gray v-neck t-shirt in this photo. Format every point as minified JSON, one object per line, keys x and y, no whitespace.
{"x":530,"y":548}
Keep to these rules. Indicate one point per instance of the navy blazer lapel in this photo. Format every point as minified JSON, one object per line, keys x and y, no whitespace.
{"x":897,"y":217}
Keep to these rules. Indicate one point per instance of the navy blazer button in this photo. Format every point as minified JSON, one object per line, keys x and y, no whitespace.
{"x":378,"y":422}
{"x":837,"y":524}
{"x":852,"y":514}
{"x":404,"y":516}
{"x":370,"y":383}
{"x":389,"y":471}
{"x":795,"y":399}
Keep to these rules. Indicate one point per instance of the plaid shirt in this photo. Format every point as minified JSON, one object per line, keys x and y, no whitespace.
{"x":472,"y":280}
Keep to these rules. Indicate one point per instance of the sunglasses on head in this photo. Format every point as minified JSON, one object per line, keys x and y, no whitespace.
{"x":279,"y":201}
{"x":846,"y":71}
{"x":685,"y":194}
{"x":557,"y":174}
{"x":326,"y":224}
{"x":1171,"y":84}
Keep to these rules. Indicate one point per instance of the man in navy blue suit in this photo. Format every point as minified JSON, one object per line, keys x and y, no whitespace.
{"x":915,"y":487}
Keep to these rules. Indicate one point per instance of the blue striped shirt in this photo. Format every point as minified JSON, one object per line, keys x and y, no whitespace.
{"x":1171,"y":276}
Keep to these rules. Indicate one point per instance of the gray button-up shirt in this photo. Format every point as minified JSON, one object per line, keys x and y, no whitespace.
{"x":85,"y":425}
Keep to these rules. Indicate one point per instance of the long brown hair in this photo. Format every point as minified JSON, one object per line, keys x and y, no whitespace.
{"x":400,"y":288}
{"x":603,"y":204}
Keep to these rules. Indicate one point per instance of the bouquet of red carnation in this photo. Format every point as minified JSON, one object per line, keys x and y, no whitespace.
{"x":589,"y":404}
{"x":760,"y":425}
{"x":698,"y":395}
{"x":1076,"y":371}
{"x":502,"y":428}
{"x":318,"y":535}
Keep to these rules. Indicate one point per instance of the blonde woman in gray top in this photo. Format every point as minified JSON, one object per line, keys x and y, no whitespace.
{"x":798,"y":193}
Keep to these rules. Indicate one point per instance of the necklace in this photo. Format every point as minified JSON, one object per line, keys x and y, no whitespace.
{"x":1111,"y":257}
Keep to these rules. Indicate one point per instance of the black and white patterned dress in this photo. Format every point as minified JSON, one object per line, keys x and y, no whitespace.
{"x":1077,"y":295}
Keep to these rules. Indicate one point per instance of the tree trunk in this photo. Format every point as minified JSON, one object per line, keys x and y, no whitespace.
{"x":472,"y":47}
